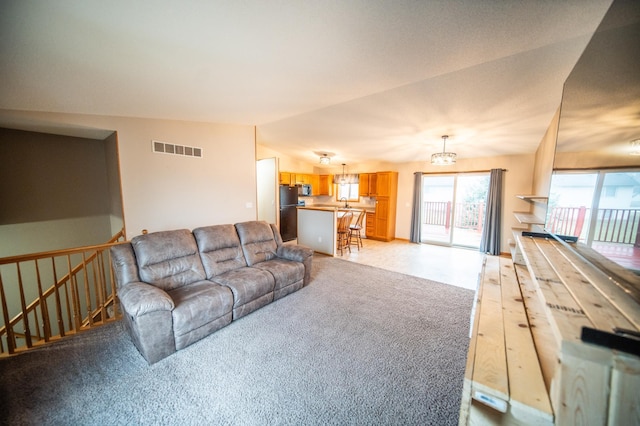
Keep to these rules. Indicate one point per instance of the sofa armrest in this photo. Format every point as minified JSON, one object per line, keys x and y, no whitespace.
{"x":294,"y":252}
{"x":139,"y":298}
{"x":298,"y":254}
{"x":148,"y":314}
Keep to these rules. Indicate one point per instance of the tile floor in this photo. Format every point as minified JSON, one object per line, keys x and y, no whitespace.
{"x":450,"y":265}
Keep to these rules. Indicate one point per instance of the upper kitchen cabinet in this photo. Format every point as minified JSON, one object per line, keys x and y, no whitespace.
{"x":386,"y":184}
{"x":325,"y":185}
{"x":285,"y":178}
{"x":367,"y":186}
{"x":302,"y":179}
{"x":314,"y":181}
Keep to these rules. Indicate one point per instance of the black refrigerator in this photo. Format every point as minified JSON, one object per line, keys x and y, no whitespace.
{"x":288,"y":212}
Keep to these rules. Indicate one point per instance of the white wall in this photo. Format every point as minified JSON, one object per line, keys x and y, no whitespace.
{"x":162,"y":191}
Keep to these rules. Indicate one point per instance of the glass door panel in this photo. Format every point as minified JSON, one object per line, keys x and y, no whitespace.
{"x":469,"y":209}
{"x":437,"y":208}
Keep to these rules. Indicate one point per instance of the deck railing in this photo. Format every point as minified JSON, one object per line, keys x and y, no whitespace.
{"x":467,"y":215}
{"x":44,"y":298}
{"x":611,"y":226}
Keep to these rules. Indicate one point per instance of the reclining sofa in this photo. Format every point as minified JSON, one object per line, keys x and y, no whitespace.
{"x":177,"y":287}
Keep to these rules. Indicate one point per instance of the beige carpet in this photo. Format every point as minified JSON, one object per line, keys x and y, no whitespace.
{"x":359,"y":345}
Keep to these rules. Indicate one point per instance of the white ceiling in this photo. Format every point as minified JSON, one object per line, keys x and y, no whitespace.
{"x":366,"y":80}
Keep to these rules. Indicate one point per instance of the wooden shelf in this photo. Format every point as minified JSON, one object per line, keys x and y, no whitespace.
{"x":528,"y":218}
{"x":532,"y":197}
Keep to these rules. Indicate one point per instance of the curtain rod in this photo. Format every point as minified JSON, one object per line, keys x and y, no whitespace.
{"x":456,"y":173}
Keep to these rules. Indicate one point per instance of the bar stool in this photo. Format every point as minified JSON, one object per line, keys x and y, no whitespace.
{"x":355,"y":231}
{"x":343,"y":232}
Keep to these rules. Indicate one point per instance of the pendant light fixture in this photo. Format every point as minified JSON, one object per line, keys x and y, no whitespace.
{"x":443,"y":158}
{"x":343,"y":179}
{"x":346,"y":178}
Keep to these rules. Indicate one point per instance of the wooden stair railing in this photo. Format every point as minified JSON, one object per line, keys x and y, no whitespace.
{"x":56,"y":312}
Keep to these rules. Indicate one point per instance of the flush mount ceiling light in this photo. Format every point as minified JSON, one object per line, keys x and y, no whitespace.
{"x":325,"y":157}
{"x":443,"y":158}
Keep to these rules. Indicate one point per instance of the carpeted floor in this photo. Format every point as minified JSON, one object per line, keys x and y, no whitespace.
{"x":359,"y":345}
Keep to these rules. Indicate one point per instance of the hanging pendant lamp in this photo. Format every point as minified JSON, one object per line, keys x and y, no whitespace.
{"x":443,"y":158}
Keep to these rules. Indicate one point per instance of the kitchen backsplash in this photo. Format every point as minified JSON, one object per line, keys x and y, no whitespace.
{"x":328,"y":200}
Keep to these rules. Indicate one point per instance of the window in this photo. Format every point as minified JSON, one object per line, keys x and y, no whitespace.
{"x":348,"y":191}
{"x":601,"y":208}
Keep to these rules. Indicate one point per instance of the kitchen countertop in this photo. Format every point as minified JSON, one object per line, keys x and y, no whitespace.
{"x":338,"y":208}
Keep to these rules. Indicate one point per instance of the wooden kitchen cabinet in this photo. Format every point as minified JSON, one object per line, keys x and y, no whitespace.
{"x":384,"y":183}
{"x":292,"y":178}
{"x":367,"y":186}
{"x":302,"y":179}
{"x":385,"y":217}
{"x":325,"y":185}
{"x":285,"y":178}
{"x":370,"y":229}
{"x":314,"y":180}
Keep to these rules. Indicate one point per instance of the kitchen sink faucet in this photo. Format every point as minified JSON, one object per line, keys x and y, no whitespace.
{"x":346,"y":205}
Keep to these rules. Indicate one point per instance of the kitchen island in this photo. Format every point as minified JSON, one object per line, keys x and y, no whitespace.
{"x":317,"y":227}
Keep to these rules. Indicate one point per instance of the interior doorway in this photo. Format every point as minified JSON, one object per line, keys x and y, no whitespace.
{"x":453,"y":208}
{"x":267,"y":189}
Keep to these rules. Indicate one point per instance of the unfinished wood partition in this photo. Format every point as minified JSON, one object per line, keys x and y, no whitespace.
{"x":503,"y":382}
{"x":528,"y":363}
{"x":588,"y":383}
{"x":46,"y":296}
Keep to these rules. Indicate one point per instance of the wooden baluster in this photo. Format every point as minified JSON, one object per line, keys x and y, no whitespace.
{"x":67,"y":284}
{"x":112,"y":281}
{"x":23,"y":305}
{"x":11,"y":342}
{"x":96,"y":285}
{"x":75,"y":299}
{"x":103,"y":289}
{"x":44,"y":309}
{"x":87,"y":292}
{"x":59,"y":317}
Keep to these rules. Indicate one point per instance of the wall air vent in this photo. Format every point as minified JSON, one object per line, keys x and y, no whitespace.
{"x":170,"y":148}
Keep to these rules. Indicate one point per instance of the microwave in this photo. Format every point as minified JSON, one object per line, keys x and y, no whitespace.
{"x":304,"y":190}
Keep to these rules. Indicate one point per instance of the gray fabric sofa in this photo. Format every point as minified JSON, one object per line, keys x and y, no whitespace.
{"x":176,"y":287}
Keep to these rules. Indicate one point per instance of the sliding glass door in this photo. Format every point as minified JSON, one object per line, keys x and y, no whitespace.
{"x":453,"y":208}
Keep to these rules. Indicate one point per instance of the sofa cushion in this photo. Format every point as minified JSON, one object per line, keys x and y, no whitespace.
{"x":285,"y":272}
{"x":257,"y":240}
{"x":197,"y":304}
{"x":252,"y":288}
{"x":220,"y":249}
{"x":168,"y":259}
{"x":246,"y":284}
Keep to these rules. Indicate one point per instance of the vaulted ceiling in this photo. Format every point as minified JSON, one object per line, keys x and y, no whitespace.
{"x":367,"y":80}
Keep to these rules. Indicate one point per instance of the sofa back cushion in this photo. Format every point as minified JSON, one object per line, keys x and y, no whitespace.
{"x":168,"y":259}
{"x":220,"y":249}
{"x":257,"y":240}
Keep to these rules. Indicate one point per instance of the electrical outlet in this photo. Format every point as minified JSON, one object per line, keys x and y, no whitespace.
{"x":319,"y":239}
